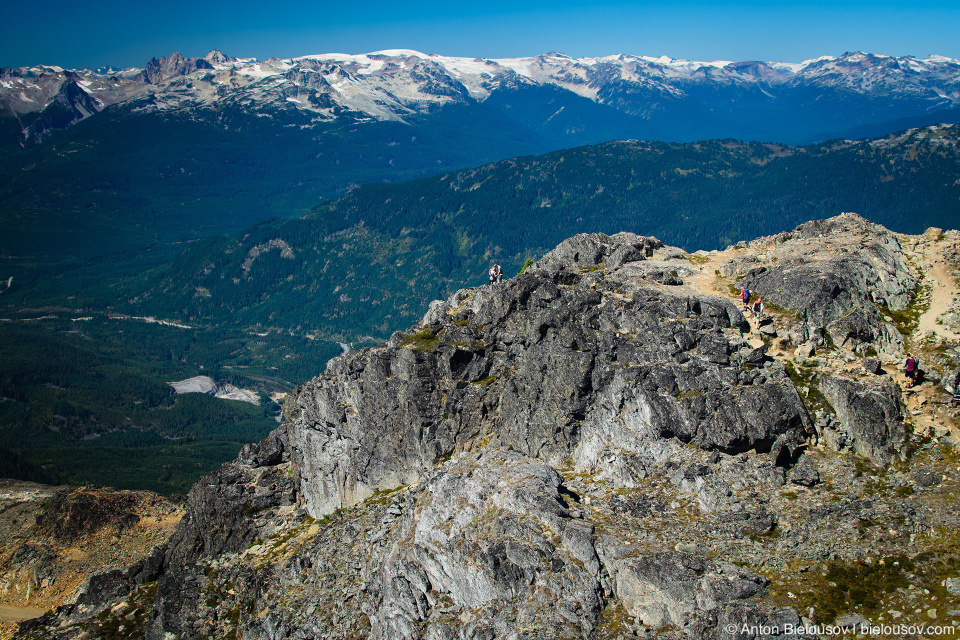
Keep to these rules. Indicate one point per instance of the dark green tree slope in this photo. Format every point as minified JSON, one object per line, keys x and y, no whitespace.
{"x":368,"y":263}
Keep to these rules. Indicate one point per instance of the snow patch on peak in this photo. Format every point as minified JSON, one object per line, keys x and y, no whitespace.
{"x":619,"y":57}
{"x":860,"y":56}
{"x":372,"y":67}
{"x":661,"y":60}
{"x":934,"y":58}
{"x":556,"y":55}
{"x":797,"y":67}
{"x":686,"y":65}
{"x":403,"y":53}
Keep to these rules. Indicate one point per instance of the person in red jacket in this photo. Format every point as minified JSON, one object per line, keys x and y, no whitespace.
{"x":910,"y":369}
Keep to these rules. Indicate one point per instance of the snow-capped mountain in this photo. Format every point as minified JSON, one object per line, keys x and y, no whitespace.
{"x":690,"y":99}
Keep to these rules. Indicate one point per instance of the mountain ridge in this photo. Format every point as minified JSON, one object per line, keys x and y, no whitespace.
{"x":702,"y":196}
{"x":393,"y":84}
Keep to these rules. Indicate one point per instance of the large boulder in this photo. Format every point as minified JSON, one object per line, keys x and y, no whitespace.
{"x":588,"y":250}
{"x":870,"y":414}
{"x":747,"y":620}
{"x":951,"y":382}
{"x":667,"y":588}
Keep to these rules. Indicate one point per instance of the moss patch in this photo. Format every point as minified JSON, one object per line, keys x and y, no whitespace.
{"x":858,"y":586}
{"x":907,"y":320}
{"x":804,"y":378}
{"x":423,"y":340}
{"x":614,"y":623}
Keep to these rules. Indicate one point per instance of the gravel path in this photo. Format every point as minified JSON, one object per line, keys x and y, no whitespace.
{"x":944,"y":288}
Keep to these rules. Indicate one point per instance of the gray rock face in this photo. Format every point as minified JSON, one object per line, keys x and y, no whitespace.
{"x":593,"y":249}
{"x":667,"y":588}
{"x":834,"y":274}
{"x":852,"y":621}
{"x":870,"y":414}
{"x":566,"y":361}
{"x":739,"y":265}
{"x":927,"y":478}
{"x":489,"y":537}
{"x":220,"y":519}
{"x":747,"y":621}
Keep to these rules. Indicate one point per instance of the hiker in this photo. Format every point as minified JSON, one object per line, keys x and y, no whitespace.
{"x":758,"y":308}
{"x":499,"y":272}
{"x":745,"y":296}
{"x":496,"y":274}
{"x":910,"y":369}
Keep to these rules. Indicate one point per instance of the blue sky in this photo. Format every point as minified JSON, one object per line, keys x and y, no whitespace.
{"x":76,"y":34}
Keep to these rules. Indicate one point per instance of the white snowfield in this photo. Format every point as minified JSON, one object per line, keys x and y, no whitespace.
{"x":395,"y":83}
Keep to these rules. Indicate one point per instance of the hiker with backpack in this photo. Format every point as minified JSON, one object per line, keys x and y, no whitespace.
{"x":758,"y":309}
{"x":745,"y":297}
{"x":496,"y":274}
{"x":910,"y":368}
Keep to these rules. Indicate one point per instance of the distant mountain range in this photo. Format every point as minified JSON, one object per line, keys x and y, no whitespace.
{"x":93,"y":163}
{"x":642,"y":97}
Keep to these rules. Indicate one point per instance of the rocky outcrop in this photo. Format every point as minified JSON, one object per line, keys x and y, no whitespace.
{"x":870,"y":415}
{"x":951,"y":382}
{"x":836,"y":276}
{"x":667,"y":588}
{"x":804,"y":473}
{"x":71,"y":516}
{"x":172,"y":66}
{"x":222,"y":507}
{"x":568,"y":361}
{"x":226,"y":511}
{"x":72,"y":549}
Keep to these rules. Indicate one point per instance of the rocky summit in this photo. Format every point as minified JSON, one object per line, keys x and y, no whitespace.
{"x":607,"y":445}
